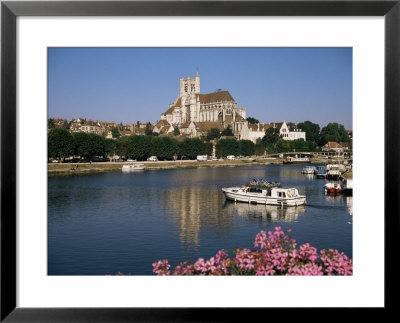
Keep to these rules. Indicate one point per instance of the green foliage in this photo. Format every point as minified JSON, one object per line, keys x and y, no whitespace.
{"x":80,"y":143}
{"x":115,"y":133}
{"x":227,"y":131}
{"x":137,"y":147}
{"x":259,"y":149}
{"x":213,"y":133}
{"x":311,"y":129}
{"x":227,"y":147}
{"x":176,"y":131}
{"x":333,"y":132}
{"x":165,"y":148}
{"x":148,"y":130}
{"x":291,"y":146}
{"x":60,"y":143}
{"x":65,"y":125}
{"x":88,"y":145}
{"x":122,"y":146}
{"x":191,"y":147}
{"x":50,"y":124}
{"x":208,"y":148}
{"x":247,"y":147}
{"x":110,"y":147}
{"x":252,"y":120}
{"x":271,"y":136}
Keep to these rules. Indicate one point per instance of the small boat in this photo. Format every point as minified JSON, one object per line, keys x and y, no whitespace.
{"x":334,"y":188}
{"x":321,"y":171}
{"x":266,"y":193}
{"x":132,"y":167}
{"x":295,"y":159}
{"x":333,"y":172}
{"x":309,"y":170}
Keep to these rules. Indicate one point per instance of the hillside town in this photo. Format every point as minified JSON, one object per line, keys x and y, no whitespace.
{"x":214,"y":119}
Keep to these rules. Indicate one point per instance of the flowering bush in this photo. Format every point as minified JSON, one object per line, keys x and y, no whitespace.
{"x":276,"y":255}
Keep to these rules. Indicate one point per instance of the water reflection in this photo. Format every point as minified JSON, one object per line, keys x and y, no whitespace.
{"x":349,"y":204}
{"x":269,"y":213}
{"x":193,"y":209}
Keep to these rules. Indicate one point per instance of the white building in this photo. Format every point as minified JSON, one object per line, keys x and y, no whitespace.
{"x":192,"y":106}
{"x":289,"y":132}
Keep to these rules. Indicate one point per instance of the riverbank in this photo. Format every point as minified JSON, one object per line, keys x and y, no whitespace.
{"x":101,"y":167}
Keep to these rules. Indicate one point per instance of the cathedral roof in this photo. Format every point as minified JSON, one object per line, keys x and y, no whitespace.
{"x":208,"y":125}
{"x":176,"y":104}
{"x":215,"y":97}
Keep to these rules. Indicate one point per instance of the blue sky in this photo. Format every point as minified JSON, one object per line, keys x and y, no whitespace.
{"x":137,"y":84}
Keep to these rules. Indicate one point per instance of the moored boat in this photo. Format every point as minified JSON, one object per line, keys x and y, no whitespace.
{"x":321,"y":171}
{"x":333,"y":172}
{"x":265,"y":193}
{"x":297,"y":160}
{"x":132,"y":167}
{"x":309,"y":170}
{"x":334,"y":188}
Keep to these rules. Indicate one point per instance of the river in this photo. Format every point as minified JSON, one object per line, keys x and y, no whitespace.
{"x":109,"y":223}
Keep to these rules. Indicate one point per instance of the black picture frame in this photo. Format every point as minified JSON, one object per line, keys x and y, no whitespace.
{"x":10,"y":10}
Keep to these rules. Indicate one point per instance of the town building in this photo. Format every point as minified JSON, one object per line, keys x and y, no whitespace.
{"x":289,"y":132}
{"x":333,"y":146}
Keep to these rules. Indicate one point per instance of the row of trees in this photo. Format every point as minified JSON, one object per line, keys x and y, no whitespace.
{"x":315,"y":138}
{"x":62,"y":144}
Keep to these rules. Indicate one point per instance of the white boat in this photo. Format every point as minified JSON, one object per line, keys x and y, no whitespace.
{"x":309,"y":170}
{"x":332,"y":188}
{"x":333,"y":172}
{"x":132,"y":167}
{"x":265,"y":193}
{"x":297,"y":159}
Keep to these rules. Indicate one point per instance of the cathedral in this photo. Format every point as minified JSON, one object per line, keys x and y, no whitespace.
{"x":191,"y":106}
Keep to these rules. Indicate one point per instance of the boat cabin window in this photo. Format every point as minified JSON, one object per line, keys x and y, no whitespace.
{"x":255,"y":190}
{"x":281,"y":194}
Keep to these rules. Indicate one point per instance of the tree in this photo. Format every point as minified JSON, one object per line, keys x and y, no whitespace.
{"x":247,"y":147}
{"x":191,"y":147}
{"x":65,"y":125}
{"x":60,"y":143}
{"x":148,"y":130}
{"x":95,"y":145}
{"x":51,"y":124}
{"x":311,"y":129}
{"x":259,"y":149}
{"x":333,"y":132}
{"x":213,"y":133}
{"x":88,"y":145}
{"x":227,"y":147}
{"x":81,"y":144}
{"x":176,"y":131}
{"x":227,"y":131}
{"x":138,"y":147}
{"x":252,"y":120}
{"x":208,"y":148}
{"x":109,"y":147}
{"x":165,"y":148}
{"x":115,"y":133}
{"x":271,"y":136}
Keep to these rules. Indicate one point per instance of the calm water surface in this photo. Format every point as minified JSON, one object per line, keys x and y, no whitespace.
{"x":101,"y":224}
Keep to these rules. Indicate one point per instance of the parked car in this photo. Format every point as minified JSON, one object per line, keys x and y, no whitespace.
{"x":230,"y":157}
{"x":201,"y":158}
{"x":130,"y":160}
{"x":152,"y":158}
{"x":54,"y":161}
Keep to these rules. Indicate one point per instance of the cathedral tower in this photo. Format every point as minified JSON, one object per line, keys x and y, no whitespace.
{"x":189,"y":86}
